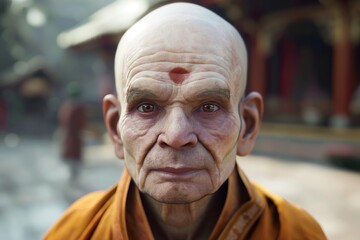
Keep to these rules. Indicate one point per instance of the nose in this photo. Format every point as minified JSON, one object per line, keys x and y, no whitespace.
{"x":178,"y":131}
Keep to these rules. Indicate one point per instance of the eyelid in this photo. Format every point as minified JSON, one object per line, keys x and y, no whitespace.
{"x":155,"y":106}
{"x":135,"y":103}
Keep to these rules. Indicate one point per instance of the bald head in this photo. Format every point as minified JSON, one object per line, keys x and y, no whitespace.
{"x":194,"y":32}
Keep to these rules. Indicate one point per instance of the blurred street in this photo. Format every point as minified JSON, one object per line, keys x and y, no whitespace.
{"x":36,"y":186}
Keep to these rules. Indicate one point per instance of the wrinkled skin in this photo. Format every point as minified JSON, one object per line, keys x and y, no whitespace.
{"x":179,"y":136}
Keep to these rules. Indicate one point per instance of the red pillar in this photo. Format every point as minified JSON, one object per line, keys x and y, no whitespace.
{"x":287,"y":69}
{"x":343,"y":67}
{"x":343,"y":76}
{"x":257,"y":67}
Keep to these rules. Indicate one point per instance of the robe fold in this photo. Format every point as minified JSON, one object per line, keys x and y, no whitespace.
{"x":119,"y":214}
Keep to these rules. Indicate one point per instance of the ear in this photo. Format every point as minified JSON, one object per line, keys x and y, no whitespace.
{"x":251,"y":111}
{"x":111,"y":113}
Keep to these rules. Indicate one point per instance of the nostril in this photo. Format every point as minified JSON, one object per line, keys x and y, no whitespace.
{"x":177,"y":142}
{"x":189,"y":144}
{"x":162,"y":144}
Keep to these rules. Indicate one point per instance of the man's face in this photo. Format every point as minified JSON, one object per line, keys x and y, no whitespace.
{"x":179,"y":120}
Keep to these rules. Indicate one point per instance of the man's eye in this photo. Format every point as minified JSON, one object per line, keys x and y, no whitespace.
{"x":209,"y":107}
{"x":146,"y":108}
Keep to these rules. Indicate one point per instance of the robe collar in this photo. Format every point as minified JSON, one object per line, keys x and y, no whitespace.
{"x":241,"y":209}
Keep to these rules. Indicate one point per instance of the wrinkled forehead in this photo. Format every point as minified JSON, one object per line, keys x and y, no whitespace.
{"x":196,"y":32}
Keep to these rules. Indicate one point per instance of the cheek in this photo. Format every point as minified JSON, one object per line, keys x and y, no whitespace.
{"x":220,"y":137}
{"x":135,"y":134}
{"x":138,"y":137}
{"x":222,"y":144}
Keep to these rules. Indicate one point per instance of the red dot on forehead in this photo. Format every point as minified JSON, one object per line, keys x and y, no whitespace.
{"x":178,"y":75}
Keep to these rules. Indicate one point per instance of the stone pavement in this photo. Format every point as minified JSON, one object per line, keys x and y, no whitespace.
{"x":36,"y":186}
{"x":331,"y":195}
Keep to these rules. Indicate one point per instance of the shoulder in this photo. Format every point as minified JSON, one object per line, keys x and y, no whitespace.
{"x":294,"y":222}
{"x":81,"y":216}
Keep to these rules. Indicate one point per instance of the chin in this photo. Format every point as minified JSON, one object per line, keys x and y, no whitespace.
{"x":177,"y":194}
{"x":175,"y":199}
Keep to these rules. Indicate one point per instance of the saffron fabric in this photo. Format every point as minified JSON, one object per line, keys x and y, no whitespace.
{"x":249,"y":212}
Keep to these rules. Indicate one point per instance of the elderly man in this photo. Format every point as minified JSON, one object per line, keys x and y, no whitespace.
{"x":179,"y":120}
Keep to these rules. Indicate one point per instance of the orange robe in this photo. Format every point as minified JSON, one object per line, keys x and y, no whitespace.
{"x":119,"y":214}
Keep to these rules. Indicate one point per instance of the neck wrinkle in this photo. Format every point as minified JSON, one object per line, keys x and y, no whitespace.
{"x":185,"y":221}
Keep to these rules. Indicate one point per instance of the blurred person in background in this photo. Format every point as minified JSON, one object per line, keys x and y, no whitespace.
{"x":179,"y":120}
{"x":72,"y":120}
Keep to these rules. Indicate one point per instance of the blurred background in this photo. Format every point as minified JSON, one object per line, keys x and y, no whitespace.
{"x":56,"y":65}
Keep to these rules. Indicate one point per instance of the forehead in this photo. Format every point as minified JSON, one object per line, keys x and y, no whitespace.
{"x":164,"y":63}
{"x":196,"y":48}
{"x":187,"y":71}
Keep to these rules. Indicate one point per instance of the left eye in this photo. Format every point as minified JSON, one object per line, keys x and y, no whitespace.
{"x":146,"y":108}
{"x":209,"y":107}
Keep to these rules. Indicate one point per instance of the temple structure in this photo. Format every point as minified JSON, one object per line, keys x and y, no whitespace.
{"x":304,"y":55}
{"x":25,"y":96}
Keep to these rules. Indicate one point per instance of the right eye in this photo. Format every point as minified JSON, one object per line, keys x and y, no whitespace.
{"x":146,"y":108}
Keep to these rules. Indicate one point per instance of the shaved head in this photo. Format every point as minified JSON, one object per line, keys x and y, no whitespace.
{"x":187,"y":29}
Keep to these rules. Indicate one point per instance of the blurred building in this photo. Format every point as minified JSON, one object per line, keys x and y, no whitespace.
{"x":304,"y":55}
{"x":25,"y":94}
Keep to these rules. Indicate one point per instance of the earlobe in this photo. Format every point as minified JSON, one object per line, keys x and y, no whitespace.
{"x":251,"y":110}
{"x":111,"y":113}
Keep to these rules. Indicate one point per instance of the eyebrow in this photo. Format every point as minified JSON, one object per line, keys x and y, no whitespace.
{"x":135,"y":93}
{"x":217,"y":92}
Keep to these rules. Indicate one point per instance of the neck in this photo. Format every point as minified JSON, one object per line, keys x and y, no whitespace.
{"x":184,"y":221}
